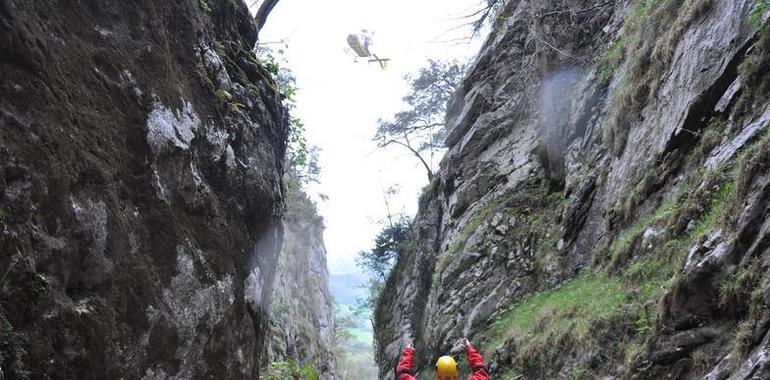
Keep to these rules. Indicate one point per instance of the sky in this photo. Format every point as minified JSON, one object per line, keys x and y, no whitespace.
{"x":340,"y":100}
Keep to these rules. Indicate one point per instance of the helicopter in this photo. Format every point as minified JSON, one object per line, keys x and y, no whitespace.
{"x":359,"y":43}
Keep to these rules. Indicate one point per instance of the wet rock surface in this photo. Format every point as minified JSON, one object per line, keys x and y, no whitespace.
{"x":141,"y":216}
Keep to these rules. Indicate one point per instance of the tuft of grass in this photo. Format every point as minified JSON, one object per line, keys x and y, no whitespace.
{"x":739,"y":286}
{"x":283,"y":370}
{"x":756,"y":16}
{"x":702,"y":361}
{"x":754,"y":160}
{"x":568,"y":310}
{"x":624,"y":240}
{"x":205,"y":5}
{"x":719,"y":206}
{"x":429,"y":191}
{"x":741,"y":341}
{"x":642,"y":323}
{"x":223,"y":96}
{"x":611,"y":59}
{"x":754,"y":73}
{"x":236,"y":107}
{"x":711,"y":136}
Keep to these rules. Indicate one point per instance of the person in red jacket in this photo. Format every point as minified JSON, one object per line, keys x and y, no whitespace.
{"x":446,"y":367}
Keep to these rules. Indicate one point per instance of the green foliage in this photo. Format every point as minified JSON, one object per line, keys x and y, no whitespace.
{"x":642,"y":323}
{"x":719,"y":205}
{"x":204,"y":4}
{"x":421,"y":127}
{"x":741,"y":341}
{"x":756,"y":16}
{"x":752,"y":161}
{"x":2,"y":214}
{"x":623,"y":241}
{"x":611,"y":59}
{"x":287,"y":370}
{"x":754,"y":73}
{"x":711,"y":136}
{"x":738,"y":287}
{"x":223,"y":96}
{"x":274,"y":61}
{"x":307,"y":371}
{"x":388,"y":245}
{"x":280,"y":370}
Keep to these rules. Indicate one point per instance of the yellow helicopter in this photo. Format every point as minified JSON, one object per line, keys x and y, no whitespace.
{"x":360,"y":42}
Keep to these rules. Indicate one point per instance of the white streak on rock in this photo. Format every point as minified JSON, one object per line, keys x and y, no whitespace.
{"x":167,"y":129}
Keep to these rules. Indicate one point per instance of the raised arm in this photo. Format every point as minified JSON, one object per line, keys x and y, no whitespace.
{"x":405,"y":368}
{"x":478,"y":367}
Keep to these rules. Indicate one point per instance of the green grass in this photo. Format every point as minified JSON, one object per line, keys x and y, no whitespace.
{"x":719,"y":206}
{"x":611,"y":59}
{"x":632,"y":290}
{"x":623,"y":241}
{"x":755,"y":18}
{"x":283,"y":370}
{"x":205,"y":6}
{"x":741,"y":341}
{"x":570,"y":309}
{"x":223,"y":96}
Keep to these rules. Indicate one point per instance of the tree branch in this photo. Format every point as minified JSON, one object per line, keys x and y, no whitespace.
{"x":264,"y":11}
{"x":414,"y":151}
{"x":574,"y":12}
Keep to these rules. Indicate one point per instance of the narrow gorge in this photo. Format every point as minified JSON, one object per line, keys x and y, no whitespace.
{"x":600,"y":210}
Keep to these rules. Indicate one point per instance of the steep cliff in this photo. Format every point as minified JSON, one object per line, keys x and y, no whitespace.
{"x":302,"y":310}
{"x":601,"y":209}
{"x":141,"y":163}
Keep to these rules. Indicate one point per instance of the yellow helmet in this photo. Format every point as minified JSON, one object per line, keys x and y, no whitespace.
{"x":446,"y":368}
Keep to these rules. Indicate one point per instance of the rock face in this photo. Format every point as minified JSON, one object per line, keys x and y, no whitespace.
{"x":609,"y":152}
{"x":141,"y":163}
{"x":302,"y":312}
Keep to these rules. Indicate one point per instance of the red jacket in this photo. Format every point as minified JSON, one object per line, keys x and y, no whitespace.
{"x":406,"y":365}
